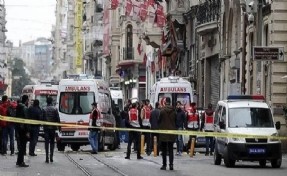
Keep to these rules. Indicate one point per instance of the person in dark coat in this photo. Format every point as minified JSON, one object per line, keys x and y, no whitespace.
{"x":167,"y":120}
{"x":50,"y":115}
{"x":154,"y":125}
{"x":22,"y":130}
{"x":180,"y":124}
{"x":34,"y":113}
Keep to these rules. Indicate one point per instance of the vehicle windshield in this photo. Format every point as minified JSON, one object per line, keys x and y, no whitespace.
{"x":250,"y":117}
{"x":184,"y":98}
{"x":43,"y":99}
{"x":76,"y":102}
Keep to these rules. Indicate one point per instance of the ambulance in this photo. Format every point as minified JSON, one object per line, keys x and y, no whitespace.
{"x":245,"y":114}
{"x":41,"y":92}
{"x":174,"y":87}
{"x":74,"y":105}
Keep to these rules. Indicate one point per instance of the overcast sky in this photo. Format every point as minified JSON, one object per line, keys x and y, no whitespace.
{"x":29,"y":19}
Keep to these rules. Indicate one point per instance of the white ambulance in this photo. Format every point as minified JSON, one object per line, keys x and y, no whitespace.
{"x":41,"y":92}
{"x":74,"y":105}
{"x":243,"y":114}
{"x":176,"y":88}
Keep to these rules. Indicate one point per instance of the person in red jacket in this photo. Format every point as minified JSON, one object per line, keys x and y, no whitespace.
{"x":3,"y":124}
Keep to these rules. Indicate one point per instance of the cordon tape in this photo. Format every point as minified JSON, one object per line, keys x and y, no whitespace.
{"x":175,"y":132}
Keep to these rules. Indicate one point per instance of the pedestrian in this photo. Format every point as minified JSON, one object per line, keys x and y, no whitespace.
{"x":22,"y":130}
{"x":208,"y":126}
{"x":117,"y":115}
{"x":50,"y":115}
{"x":134,"y":135}
{"x":34,"y":113}
{"x":11,"y":126}
{"x":180,"y":124}
{"x":154,"y":125}
{"x":94,"y":122}
{"x":192,"y":122}
{"x":4,"y":124}
{"x":145,"y":116}
{"x":167,"y":120}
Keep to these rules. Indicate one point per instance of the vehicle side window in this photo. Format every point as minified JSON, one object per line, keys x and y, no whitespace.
{"x":223,"y":117}
{"x":217,"y":114}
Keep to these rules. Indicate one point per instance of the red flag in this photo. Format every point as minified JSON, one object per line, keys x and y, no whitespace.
{"x":152,"y":67}
{"x":150,"y":2}
{"x":114,"y":4}
{"x":139,"y":48}
{"x":162,"y":38}
{"x":159,"y":59}
{"x":144,"y":59}
{"x":129,"y":6}
{"x":143,"y":11}
{"x":159,"y":18}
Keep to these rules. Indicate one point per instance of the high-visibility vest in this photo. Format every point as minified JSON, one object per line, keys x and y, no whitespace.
{"x":133,"y":117}
{"x":97,"y":119}
{"x":209,"y":123}
{"x":147,"y":113}
{"x":192,"y":119}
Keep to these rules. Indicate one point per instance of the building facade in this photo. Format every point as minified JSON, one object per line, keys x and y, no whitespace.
{"x":3,"y":58}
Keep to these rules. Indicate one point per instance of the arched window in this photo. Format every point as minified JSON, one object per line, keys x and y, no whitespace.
{"x":129,"y":42}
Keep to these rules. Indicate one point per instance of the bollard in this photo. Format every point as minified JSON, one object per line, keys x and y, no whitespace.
{"x":154,"y":146}
{"x":142,"y":144}
{"x":191,"y":151}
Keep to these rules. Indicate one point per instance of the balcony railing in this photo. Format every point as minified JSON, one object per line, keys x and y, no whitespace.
{"x":208,"y":11}
{"x":128,"y":53}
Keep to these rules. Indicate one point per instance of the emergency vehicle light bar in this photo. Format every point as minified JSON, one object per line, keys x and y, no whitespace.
{"x":173,"y":79}
{"x":246,"y":97}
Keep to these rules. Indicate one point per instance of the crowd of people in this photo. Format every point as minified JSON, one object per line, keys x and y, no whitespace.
{"x":138,"y":115}
{"x":141,"y":115}
{"x":27,"y":132}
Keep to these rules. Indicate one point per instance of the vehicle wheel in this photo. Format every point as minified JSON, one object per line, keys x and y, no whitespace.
{"x":75,"y":147}
{"x":276,"y":163}
{"x":227,"y":161}
{"x":262,"y":163}
{"x":61,"y":147}
{"x":217,"y":157}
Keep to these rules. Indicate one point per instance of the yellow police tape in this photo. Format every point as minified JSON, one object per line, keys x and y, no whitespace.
{"x":175,"y":132}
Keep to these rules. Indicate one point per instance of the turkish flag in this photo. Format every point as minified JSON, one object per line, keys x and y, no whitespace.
{"x":129,"y":6}
{"x":144,"y":59}
{"x":160,"y":18}
{"x":139,"y":48}
{"x":159,"y":58}
{"x":143,"y":11}
{"x":152,"y":66}
{"x":150,"y":2}
{"x":114,"y":4}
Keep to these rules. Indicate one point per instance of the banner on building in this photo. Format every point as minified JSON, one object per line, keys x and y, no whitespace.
{"x":143,"y":10}
{"x":106,"y":32}
{"x":114,"y":4}
{"x":129,"y":7}
{"x":78,"y":35}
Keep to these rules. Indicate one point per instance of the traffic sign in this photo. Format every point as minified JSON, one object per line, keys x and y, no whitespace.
{"x":262,"y":53}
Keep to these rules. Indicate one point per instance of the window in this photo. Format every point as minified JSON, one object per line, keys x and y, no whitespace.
{"x":217,"y":114}
{"x":250,"y":117}
{"x":129,"y":42}
{"x":43,"y":99}
{"x":76,"y":102}
{"x":104,"y":102}
{"x":184,"y":98}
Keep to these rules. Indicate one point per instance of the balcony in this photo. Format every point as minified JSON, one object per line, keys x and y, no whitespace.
{"x":128,"y":54}
{"x":128,"y":58}
{"x":208,"y":14}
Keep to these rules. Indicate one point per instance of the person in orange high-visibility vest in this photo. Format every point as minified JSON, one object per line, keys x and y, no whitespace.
{"x":134,"y":135}
{"x":145,"y":115}
{"x":193,"y":120}
{"x":208,"y":126}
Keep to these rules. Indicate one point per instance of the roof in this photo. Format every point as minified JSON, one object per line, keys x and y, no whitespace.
{"x":245,"y":103}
